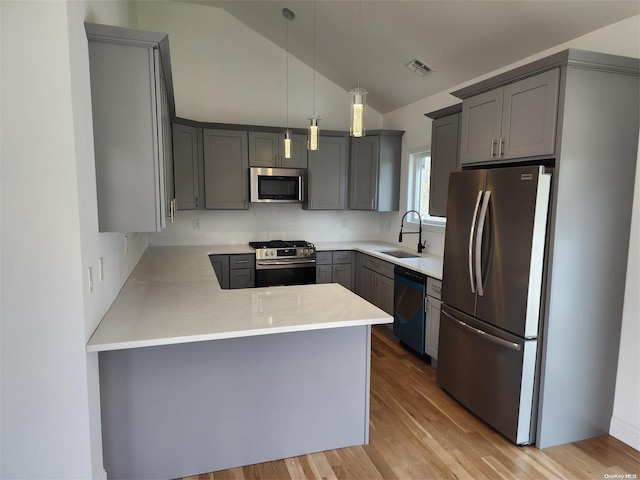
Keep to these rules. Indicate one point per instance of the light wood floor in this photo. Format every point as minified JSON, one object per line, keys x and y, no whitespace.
{"x":418,"y":432}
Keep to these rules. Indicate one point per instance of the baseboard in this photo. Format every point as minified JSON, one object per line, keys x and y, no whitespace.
{"x":625,"y":432}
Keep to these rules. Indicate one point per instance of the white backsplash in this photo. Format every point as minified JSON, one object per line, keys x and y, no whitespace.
{"x":288,"y":222}
{"x":268,"y":222}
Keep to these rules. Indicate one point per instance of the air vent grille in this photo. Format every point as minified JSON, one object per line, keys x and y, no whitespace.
{"x":419,"y":67}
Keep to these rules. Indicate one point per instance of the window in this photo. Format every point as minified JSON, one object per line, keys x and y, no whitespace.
{"x":419,"y":182}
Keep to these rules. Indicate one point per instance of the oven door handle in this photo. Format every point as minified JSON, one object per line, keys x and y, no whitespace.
{"x":281,"y":264}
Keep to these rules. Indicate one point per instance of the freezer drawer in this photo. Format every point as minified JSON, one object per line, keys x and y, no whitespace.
{"x":490,"y":372}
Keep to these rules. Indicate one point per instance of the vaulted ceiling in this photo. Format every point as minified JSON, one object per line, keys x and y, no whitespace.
{"x":371,"y":42}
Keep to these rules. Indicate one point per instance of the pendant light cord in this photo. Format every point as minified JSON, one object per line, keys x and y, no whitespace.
{"x":314,"y":58}
{"x":287,"y":80}
{"x":359,"y":37}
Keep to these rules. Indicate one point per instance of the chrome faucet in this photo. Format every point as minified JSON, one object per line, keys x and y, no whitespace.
{"x":419,"y":232}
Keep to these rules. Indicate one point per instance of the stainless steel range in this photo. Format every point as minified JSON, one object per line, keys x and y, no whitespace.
{"x":280,"y":262}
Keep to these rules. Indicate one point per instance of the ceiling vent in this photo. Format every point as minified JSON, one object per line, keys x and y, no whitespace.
{"x":419,"y":67}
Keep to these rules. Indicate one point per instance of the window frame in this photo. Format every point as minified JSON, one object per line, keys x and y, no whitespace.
{"x":413,"y":189}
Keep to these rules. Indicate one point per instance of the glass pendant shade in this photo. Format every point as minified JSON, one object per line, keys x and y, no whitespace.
{"x":287,"y":144}
{"x":358,"y":106}
{"x":314,"y":131}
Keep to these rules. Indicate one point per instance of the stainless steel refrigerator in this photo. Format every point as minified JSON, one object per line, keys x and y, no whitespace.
{"x":493,"y":274}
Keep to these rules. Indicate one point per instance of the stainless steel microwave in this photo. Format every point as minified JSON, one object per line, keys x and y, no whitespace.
{"x":280,"y":185}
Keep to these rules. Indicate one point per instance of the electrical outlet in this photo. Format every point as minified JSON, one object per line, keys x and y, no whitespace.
{"x":196,"y":224}
{"x":101,"y":268}
{"x":90,"y":272}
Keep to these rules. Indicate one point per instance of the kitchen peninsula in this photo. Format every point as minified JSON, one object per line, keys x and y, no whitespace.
{"x":227,"y":377}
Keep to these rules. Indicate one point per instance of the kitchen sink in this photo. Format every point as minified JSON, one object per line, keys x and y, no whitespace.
{"x":399,"y":254}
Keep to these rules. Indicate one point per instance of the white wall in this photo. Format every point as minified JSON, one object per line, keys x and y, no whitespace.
{"x":622,"y":38}
{"x":50,"y":417}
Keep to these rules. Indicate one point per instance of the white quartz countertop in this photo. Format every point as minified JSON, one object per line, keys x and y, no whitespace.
{"x":173,"y":296}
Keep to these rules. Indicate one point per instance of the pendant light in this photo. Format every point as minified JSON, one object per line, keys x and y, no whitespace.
{"x":358,"y":95}
{"x":289,"y":15}
{"x":314,"y":130}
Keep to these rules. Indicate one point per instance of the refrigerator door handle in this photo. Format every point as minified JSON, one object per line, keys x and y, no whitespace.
{"x":472,"y":232}
{"x":483,"y":217}
{"x":485,"y":335}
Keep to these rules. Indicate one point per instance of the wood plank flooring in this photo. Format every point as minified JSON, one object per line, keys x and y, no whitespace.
{"x":418,"y":432}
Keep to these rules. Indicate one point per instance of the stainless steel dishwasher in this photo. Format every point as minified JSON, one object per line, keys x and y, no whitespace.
{"x":408,"y":307}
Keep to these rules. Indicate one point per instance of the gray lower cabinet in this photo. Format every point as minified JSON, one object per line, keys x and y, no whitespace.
{"x":132,"y":103}
{"x":235,"y":271}
{"x":187,"y":159}
{"x":375,"y":281}
{"x":266,"y":149}
{"x":226,"y":162}
{"x":335,"y":267}
{"x":445,"y":139}
{"x":220,"y":264}
{"x":327,"y":175}
{"x":242,"y":271}
{"x":374,"y":171}
{"x":514,"y":121}
{"x":432,"y":317}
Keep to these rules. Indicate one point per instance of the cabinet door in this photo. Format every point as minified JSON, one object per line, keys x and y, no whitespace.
{"x":264,"y":149}
{"x":225,"y":169}
{"x":129,"y":170}
{"x":298,"y":152}
{"x":220,"y":264}
{"x":324,"y":274}
{"x":444,"y":160}
{"x":363,"y":173}
{"x":187,"y":154}
{"x":529,"y":116}
{"x":367,"y":286}
{"x":385,"y":288}
{"x":327,"y":175}
{"x":342,"y":275}
{"x":432,"y":327}
{"x":481,"y":127}
{"x":242,"y":278}
{"x":167,"y":146}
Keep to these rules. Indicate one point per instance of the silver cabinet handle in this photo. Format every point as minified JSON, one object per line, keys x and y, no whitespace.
{"x":242,"y":261}
{"x":485,"y":335}
{"x":501,"y":149}
{"x":483,"y":217}
{"x":472,"y":231}
{"x":493,"y":147}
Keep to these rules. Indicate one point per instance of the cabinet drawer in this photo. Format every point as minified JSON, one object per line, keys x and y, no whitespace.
{"x":380,"y":266}
{"x":323,"y":258}
{"x":434,"y":287}
{"x":242,"y":261}
{"x":342,"y":256}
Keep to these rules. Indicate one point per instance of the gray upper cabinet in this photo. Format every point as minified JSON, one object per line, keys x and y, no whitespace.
{"x":517,"y":120}
{"x":187,"y":158}
{"x":374,"y":171}
{"x":266,"y":150}
{"x":226,"y":162}
{"x":132,"y":107}
{"x":327,"y":175}
{"x":445,"y":140}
